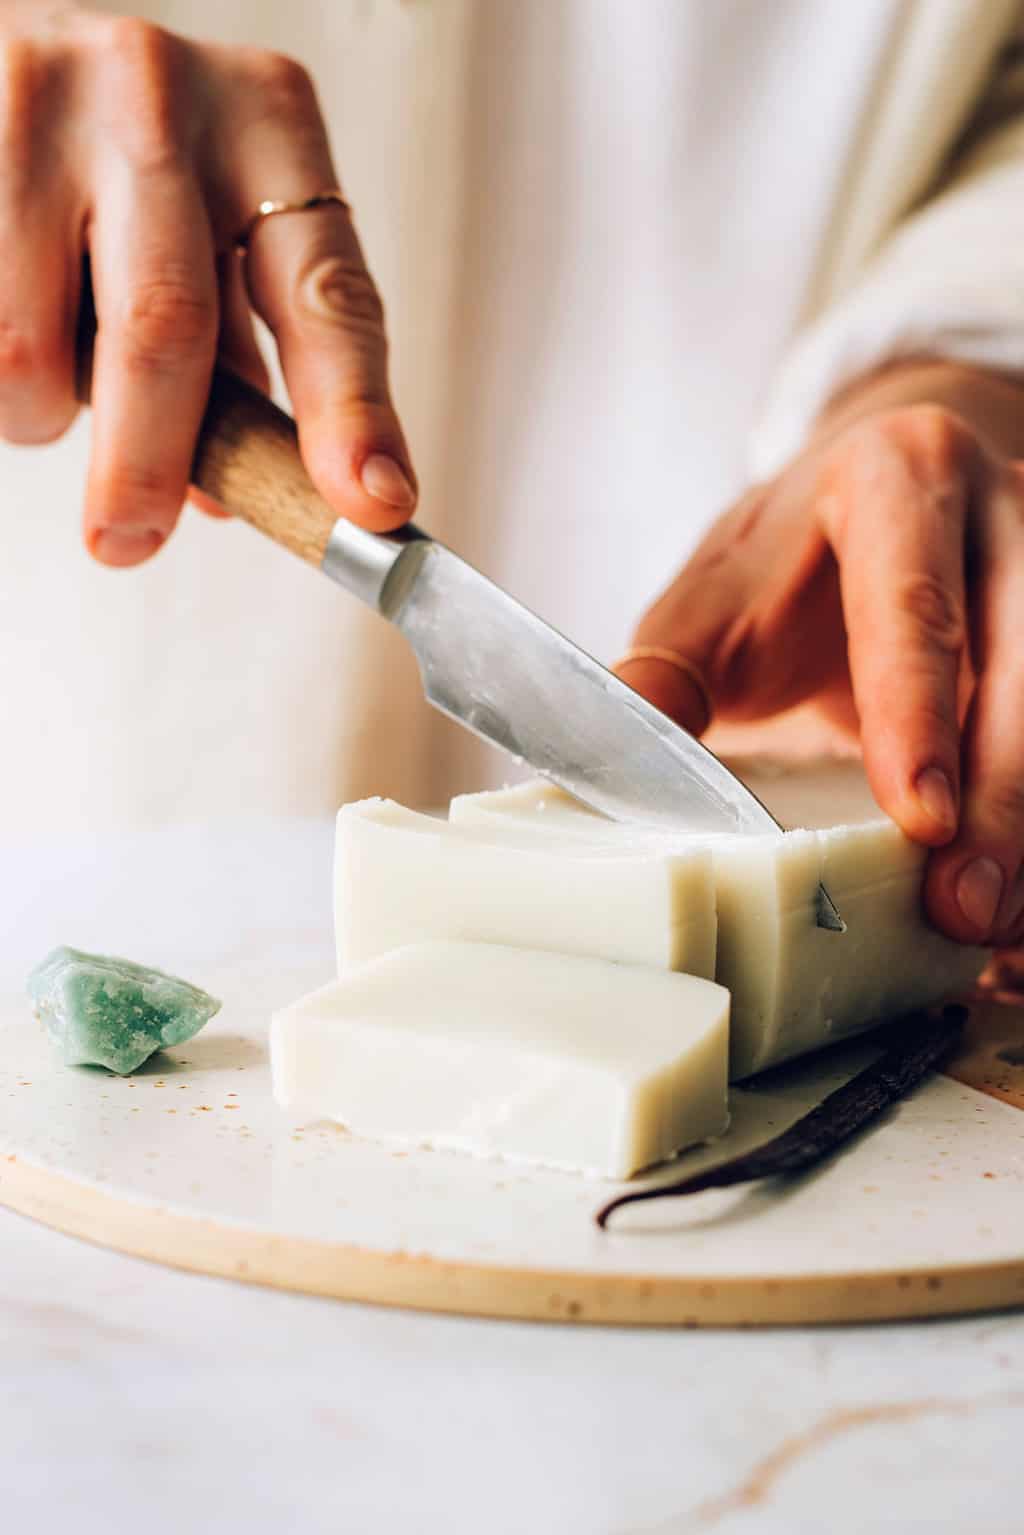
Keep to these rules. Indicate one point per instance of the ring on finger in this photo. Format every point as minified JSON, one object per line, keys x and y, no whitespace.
{"x":690,"y":670}
{"x":271,"y":206}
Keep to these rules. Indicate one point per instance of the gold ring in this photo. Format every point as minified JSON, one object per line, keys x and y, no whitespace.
{"x":273,"y":205}
{"x":690,"y":670}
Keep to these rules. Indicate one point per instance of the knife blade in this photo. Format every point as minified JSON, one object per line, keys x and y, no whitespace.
{"x":485,"y":659}
{"x":490,"y":663}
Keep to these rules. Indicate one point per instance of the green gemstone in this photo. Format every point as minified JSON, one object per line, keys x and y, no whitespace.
{"x":101,"y":1011}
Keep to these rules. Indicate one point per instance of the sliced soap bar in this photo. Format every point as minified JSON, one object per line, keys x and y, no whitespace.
{"x":401,"y":878}
{"x":575,"y":1063}
{"x":794,"y":987}
{"x":101,"y":1011}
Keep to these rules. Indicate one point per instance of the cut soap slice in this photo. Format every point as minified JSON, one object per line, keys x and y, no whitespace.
{"x":794,"y":987}
{"x":538,"y":1057}
{"x":402,"y":878}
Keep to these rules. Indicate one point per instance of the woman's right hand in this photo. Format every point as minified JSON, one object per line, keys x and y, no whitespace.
{"x":147,"y":153}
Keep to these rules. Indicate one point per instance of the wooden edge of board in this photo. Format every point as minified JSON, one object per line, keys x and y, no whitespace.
{"x":424,"y":1283}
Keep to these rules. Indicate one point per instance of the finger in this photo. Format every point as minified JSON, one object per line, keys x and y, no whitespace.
{"x":156,"y":302}
{"x":739,"y":610}
{"x":974,"y":889}
{"x":673,"y":689}
{"x":895,"y":513}
{"x":308,"y":280}
{"x":38,"y":309}
{"x":692,"y":626}
{"x":41,"y":257}
{"x":237,"y":348}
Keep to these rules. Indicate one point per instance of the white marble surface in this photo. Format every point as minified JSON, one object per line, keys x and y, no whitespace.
{"x":132,"y":1395}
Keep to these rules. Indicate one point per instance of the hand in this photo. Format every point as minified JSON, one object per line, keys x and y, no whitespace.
{"x":148,"y":153}
{"x":882,"y":576}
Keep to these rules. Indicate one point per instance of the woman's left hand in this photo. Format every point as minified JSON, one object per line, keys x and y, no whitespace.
{"x":881,"y":575}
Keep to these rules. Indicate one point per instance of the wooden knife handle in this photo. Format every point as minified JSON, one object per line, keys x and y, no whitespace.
{"x":247,"y":458}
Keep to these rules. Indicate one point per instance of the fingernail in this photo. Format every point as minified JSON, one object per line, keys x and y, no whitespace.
{"x":386,"y":480}
{"x":979,"y":889}
{"x":935,"y":793}
{"x":121,"y":547}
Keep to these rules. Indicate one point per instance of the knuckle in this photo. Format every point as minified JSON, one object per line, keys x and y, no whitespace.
{"x":27,"y":73}
{"x":169,"y":321}
{"x":927,"y":443}
{"x":934,"y":437}
{"x":148,"y":62}
{"x":284,"y":85}
{"x":845,"y":464}
{"x":936,"y":613}
{"x":341,"y":291}
{"x":141,"y":43}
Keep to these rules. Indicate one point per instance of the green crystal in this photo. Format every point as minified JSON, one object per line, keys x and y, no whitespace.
{"x":102,"y":1011}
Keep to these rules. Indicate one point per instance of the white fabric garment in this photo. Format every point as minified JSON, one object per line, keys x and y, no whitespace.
{"x":597,"y":226}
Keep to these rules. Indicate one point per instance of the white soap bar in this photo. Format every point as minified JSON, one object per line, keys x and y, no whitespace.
{"x":402,"y":878}
{"x":538,"y":810}
{"x":794,"y":987}
{"x":538,"y":1057}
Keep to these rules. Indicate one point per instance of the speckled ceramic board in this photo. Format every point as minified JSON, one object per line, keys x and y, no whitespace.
{"x":189,"y":1163}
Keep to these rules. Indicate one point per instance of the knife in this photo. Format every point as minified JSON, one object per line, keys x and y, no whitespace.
{"x":485,"y":660}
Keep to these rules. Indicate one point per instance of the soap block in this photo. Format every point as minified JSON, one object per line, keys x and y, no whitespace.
{"x":797,"y":987}
{"x":538,"y":810}
{"x":402,"y":877}
{"x":794,"y":987}
{"x":102,"y":1011}
{"x":569,"y":1062}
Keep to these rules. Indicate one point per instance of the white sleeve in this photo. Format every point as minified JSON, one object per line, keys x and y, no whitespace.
{"x":948,"y":281}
